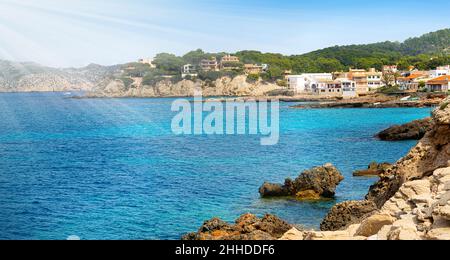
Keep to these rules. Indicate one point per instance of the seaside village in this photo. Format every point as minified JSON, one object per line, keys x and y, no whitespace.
{"x":349,"y":84}
{"x":360,"y":82}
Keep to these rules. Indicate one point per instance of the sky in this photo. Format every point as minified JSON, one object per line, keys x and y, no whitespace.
{"x":74,"y":33}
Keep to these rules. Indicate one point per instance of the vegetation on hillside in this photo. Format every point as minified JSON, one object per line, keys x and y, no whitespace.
{"x":425,"y":52}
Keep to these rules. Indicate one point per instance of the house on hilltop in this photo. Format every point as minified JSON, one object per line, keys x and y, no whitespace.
{"x":209,"y":64}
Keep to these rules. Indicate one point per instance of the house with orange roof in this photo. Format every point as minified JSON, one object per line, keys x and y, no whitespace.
{"x":412,"y":81}
{"x":439,"y":84}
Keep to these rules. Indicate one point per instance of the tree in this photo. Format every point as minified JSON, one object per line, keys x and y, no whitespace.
{"x":168,"y":63}
{"x":195,"y":57}
{"x":388,"y":79}
{"x":274,"y":73}
{"x":329,"y":65}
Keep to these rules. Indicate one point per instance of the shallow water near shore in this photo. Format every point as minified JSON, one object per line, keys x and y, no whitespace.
{"x":112,"y":169}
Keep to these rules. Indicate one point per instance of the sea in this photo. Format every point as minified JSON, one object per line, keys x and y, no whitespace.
{"x":113,"y":168}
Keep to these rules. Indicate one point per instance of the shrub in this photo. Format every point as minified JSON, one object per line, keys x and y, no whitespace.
{"x":444,"y":105}
{"x":252,"y":78}
{"x":282,"y":83}
{"x":389,"y":89}
{"x":127,"y":82}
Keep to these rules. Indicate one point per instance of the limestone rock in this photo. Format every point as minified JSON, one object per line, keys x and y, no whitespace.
{"x":293,"y":234}
{"x":311,"y":184}
{"x":439,"y":234}
{"x":404,"y":234}
{"x":344,"y":214}
{"x":431,"y":153}
{"x":384,"y":232}
{"x":372,"y":225}
{"x":374,"y":169}
{"x":443,"y":211}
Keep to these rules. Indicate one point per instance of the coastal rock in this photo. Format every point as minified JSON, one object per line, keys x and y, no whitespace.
{"x":374,"y":169}
{"x":275,"y":190}
{"x":247,"y":227}
{"x":374,"y":101}
{"x":372,"y":225}
{"x":344,"y":214}
{"x":316,"y":183}
{"x":293,"y":234}
{"x":404,"y":235}
{"x":226,"y":86}
{"x":413,"y":195}
{"x":431,"y":153}
{"x":415,"y":130}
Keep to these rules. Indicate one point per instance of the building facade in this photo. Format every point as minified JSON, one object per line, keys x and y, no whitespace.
{"x":439,"y":84}
{"x":359,"y":76}
{"x":306,"y":83}
{"x":440,"y":71}
{"x":229,"y":62}
{"x":255,"y":68}
{"x":148,"y":61}
{"x":412,"y":81}
{"x":189,"y":70}
{"x":391,"y":69}
{"x":209,"y":64}
{"x":374,"y":79}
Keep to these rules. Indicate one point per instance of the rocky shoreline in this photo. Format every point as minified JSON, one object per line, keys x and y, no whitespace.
{"x":415,"y":130}
{"x":411,"y":200}
{"x":376,"y":101}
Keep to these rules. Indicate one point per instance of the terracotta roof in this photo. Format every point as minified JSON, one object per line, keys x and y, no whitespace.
{"x":415,"y":76}
{"x":440,"y":80}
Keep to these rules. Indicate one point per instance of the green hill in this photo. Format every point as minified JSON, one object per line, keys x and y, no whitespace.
{"x":425,"y":52}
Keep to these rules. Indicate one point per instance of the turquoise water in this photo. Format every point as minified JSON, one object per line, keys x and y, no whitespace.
{"x":112,"y":169}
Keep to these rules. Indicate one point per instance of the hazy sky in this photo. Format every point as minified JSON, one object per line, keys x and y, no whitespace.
{"x":79,"y":32}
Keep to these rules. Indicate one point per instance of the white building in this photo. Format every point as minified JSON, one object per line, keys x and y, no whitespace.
{"x":148,"y":61}
{"x":189,"y":70}
{"x":308,"y":82}
{"x":374,"y":79}
{"x":440,"y":71}
{"x":348,"y":88}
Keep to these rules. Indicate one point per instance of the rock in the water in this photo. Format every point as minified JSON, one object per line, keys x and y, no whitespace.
{"x":316,"y":183}
{"x":273,"y":190}
{"x":247,"y":227}
{"x":415,"y":130}
{"x":374,"y":169}
{"x":344,"y":214}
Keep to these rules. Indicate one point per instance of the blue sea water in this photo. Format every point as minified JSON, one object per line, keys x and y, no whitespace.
{"x":112,"y":169}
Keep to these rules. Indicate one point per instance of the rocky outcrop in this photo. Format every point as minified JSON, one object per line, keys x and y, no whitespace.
{"x":225,"y":86}
{"x":415,"y":130}
{"x":375,"y":101}
{"x":247,"y":227}
{"x":419,"y":210}
{"x":431,"y":153}
{"x":374,"y":169}
{"x":347,"y":213}
{"x":411,"y":199}
{"x":316,"y":183}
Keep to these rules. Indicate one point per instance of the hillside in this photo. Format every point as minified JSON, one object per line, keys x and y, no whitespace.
{"x":414,"y":51}
{"x":27,"y":76}
{"x":425,"y":52}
